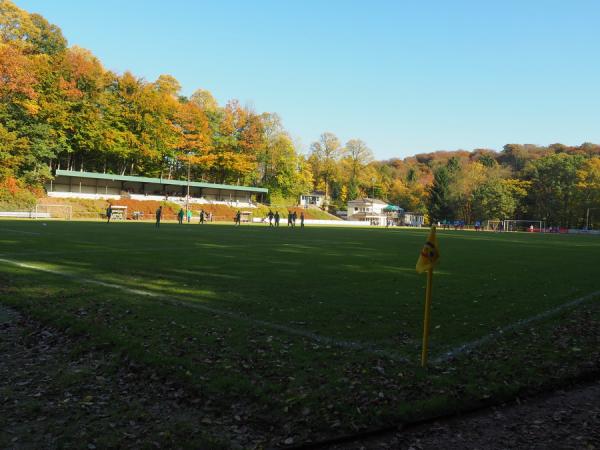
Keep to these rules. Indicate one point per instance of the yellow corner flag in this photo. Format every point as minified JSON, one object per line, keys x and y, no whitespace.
{"x":430,"y":253}
{"x":427,"y":260}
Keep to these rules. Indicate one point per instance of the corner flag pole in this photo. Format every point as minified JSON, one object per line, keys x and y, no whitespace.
{"x":427,"y":260}
{"x":426,"y":318}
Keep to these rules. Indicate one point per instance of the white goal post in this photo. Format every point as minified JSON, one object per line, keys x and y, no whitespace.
{"x":494,"y":225}
{"x":537,"y":226}
{"x":64,"y":212}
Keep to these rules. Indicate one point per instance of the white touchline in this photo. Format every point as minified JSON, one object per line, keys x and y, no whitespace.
{"x":20,"y":231}
{"x":58,"y":253}
{"x":175,"y":301}
{"x":465,"y":348}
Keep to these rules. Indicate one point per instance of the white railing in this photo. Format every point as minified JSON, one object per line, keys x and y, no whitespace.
{"x":25,"y":214}
{"x":158,"y":198}
{"x":83,"y":195}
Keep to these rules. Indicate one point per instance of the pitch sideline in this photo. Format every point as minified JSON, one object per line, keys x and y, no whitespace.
{"x":175,"y":301}
{"x":469,"y":346}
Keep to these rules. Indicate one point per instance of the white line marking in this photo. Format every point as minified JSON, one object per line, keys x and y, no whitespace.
{"x":469,"y":346}
{"x":20,"y":231}
{"x":175,"y":301}
{"x":59,"y":253}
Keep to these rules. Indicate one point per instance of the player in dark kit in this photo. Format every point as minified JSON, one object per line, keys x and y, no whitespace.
{"x":270,"y":216}
{"x":158,"y":216}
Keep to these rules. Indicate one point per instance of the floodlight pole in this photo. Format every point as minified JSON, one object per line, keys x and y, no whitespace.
{"x":372,"y":188}
{"x":587,"y":218}
{"x":187,"y":197}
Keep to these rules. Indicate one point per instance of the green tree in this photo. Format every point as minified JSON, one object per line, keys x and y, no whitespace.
{"x":494,"y":200}
{"x":438,"y":205}
{"x":553,"y":192}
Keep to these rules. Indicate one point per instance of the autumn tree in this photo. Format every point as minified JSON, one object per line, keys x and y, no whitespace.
{"x":195,"y":146}
{"x":355,"y":155}
{"x":324,"y":156}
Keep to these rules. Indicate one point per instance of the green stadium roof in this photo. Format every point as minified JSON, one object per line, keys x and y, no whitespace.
{"x":113,"y":177}
{"x":392,"y":208}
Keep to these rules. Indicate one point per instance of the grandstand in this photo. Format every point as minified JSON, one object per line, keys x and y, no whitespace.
{"x":96,"y":186}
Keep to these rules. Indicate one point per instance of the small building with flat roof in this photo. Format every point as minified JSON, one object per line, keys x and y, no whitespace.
{"x":315,"y":198}
{"x":92,"y":185}
{"x":369,"y":210}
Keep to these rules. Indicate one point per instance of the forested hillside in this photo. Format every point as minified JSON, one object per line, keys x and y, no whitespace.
{"x":60,"y":108}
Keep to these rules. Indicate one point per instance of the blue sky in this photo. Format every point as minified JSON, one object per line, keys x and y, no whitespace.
{"x":404,"y":76}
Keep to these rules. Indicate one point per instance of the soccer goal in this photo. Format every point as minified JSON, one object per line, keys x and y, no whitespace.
{"x":532,"y":226}
{"x":494,"y":225}
{"x":64,"y":212}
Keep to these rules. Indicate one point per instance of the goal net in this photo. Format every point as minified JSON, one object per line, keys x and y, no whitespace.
{"x":64,"y":212}
{"x":494,"y":225}
{"x":532,"y":226}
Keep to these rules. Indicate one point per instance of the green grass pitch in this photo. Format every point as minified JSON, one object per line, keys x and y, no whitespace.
{"x":324,"y":318}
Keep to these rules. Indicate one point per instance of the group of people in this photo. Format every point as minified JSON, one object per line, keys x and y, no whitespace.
{"x":274,"y":219}
{"x":202,"y":216}
{"x":447,"y":224}
{"x":458,"y":225}
{"x":182,"y":214}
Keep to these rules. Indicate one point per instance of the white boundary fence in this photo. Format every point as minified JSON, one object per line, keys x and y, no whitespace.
{"x":31,"y":214}
{"x":41,"y":212}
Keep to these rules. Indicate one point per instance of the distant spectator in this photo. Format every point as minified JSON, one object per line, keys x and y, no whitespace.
{"x":302,"y":219}
{"x":238,"y":218}
{"x":158,"y":216}
{"x":294,"y":217}
{"x":189,"y":215}
{"x":276,"y":218}
{"x":108,"y":213}
{"x":180,"y":215}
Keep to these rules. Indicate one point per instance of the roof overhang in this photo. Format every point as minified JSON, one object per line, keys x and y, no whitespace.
{"x":113,"y":177}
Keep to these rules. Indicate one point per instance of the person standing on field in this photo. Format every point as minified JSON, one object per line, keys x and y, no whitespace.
{"x":302,"y":220}
{"x":180,"y":215}
{"x":189,"y":215}
{"x":158,"y":216}
{"x":201,"y":216}
{"x":276,"y":218}
{"x":270,"y":216}
{"x":238,"y":218}
{"x":108,"y":213}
